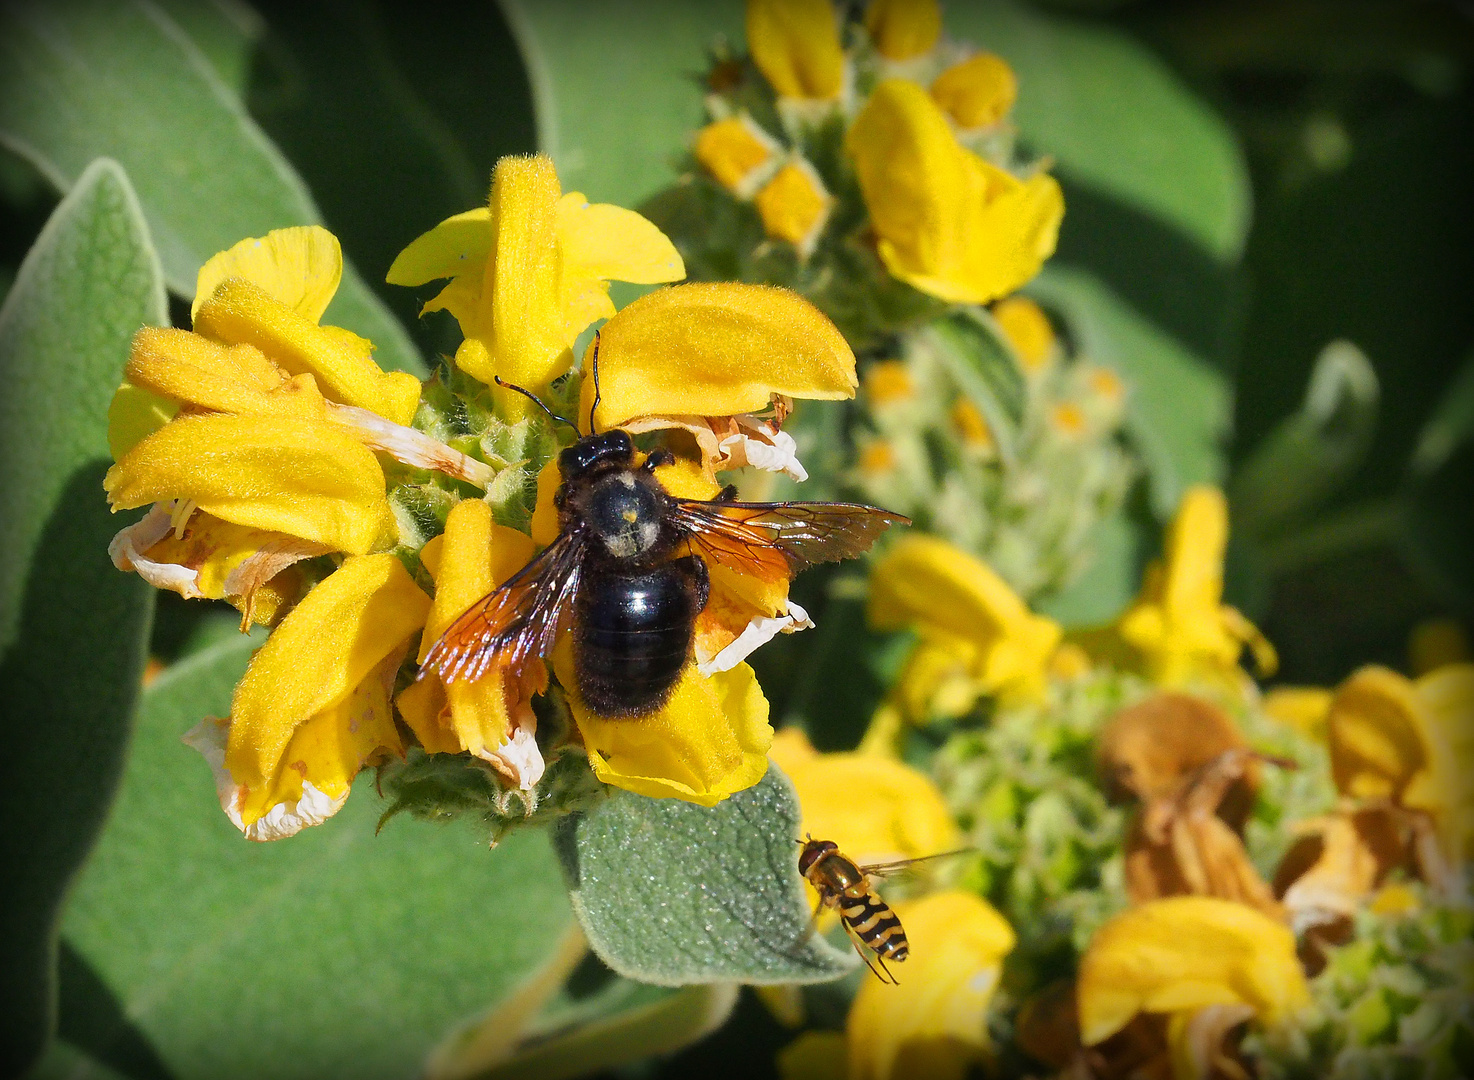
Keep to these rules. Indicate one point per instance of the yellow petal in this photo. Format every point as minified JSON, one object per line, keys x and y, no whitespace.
{"x":614,"y":244}
{"x":904,"y":29}
{"x":299,"y":268}
{"x":191,"y":369}
{"x":1303,"y":708}
{"x":794,"y":205}
{"x":978,"y":92}
{"x":716,"y":350}
{"x":470,"y":559}
{"x":458,"y":246}
{"x":795,"y":44}
{"x":949,"y":223}
{"x":287,"y":475}
{"x":544,"y":526}
{"x":1447,"y":694}
{"x":1028,"y":330}
{"x":708,"y":742}
{"x":1377,"y":734}
{"x":1182,"y":953}
{"x":521,"y":288}
{"x":223,"y":557}
{"x":241,"y":313}
{"x":732,"y":150}
{"x":928,"y":583}
{"x":902,"y":815}
{"x":1178,"y":624}
{"x":934,"y":1023}
{"x":938,"y":680}
{"x":313,"y":663}
{"x":133,"y":415}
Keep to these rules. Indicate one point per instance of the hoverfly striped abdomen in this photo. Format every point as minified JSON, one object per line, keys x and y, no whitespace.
{"x":874,"y":923}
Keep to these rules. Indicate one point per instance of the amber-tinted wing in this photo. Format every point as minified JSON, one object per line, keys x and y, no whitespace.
{"x":515,"y":622}
{"x":754,"y":537}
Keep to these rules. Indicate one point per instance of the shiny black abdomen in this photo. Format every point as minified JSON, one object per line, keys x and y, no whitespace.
{"x":633,"y":635}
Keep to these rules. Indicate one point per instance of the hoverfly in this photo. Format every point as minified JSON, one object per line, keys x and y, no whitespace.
{"x":844,"y":885}
{"x":615,"y":575}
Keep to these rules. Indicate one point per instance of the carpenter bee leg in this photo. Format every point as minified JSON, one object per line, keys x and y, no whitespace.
{"x":659,"y":458}
{"x":727,"y":494}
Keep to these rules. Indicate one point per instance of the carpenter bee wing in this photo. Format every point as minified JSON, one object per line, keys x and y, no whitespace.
{"x":516,"y":622}
{"x":885,"y":869}
{"x":760,"y":538}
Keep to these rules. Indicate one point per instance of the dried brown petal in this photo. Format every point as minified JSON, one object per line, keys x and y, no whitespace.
{"x":1153,"y":749}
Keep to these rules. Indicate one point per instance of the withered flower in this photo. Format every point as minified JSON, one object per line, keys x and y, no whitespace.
{"x":1194,"y":776}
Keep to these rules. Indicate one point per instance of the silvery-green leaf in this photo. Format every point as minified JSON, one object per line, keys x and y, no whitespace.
{"x":673,"y":893}
{"x":73,"y":630}
{"x":81,"y":79}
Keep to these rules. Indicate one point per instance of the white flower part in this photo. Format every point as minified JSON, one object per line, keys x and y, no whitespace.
{"x":209,"y":737}
{"x":412,"y":447}
{"x":758,"y":632}
{"x":518,"y":758}
{"x":128,"y":546}
{"x":773,"y":451}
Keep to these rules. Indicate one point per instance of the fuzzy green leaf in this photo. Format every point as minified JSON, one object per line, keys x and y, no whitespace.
{"x":73,"y":629}
{"x":357,"y":953}
{"x":672,"y":893}
{"x":590,"y":62}
{"x":1178,"y":405}
{"x":83,"y":78}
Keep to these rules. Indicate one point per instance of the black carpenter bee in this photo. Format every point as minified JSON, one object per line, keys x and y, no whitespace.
{"x":628,"y":573}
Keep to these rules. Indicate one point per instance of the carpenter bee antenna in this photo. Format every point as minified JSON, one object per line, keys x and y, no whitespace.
{"x":536,"y":400}
{"x":595,"y":405}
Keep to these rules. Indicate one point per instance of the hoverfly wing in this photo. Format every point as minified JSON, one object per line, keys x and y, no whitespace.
{"x":760,"y":538}
{"x":887,"y":868}
{"x":518,"y":621}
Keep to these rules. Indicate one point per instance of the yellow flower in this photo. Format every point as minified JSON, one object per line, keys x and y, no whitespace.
{"x":888,"y":381}
{"x":708,"y":359}
{"x":978,"y":92}
{"x":734,"y":150}
{"x":902,"y":816}
{"x":948,"y":223}
{"x":491,"y":717}
{"x":1028,"y":330}
{"x":794,"y":205}
{"x":934,"y":1023}
{"x":1179,"y":628}
{"x":972,"y":426}
{"x":954,"y":598}
{"x":270,"y":293}
{"x":275,"y":473}
{"x":795,"y":44}
{"x":904,"y":29}
{"x":1410,"y":744}
{"x":254,"y":436}
{"x":314,"y":706}
{"x":530,"y":272}
{"x":1183,"y":954}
